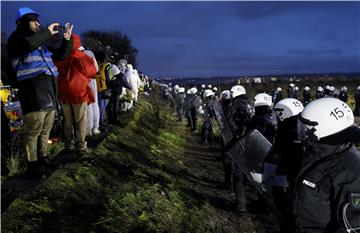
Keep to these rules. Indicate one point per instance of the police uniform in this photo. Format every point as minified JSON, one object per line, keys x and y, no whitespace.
{"x":327,"y":190}
{"x":239,"y":116}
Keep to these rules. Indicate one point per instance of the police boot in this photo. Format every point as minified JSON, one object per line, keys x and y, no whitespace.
{"x":33,"y":170}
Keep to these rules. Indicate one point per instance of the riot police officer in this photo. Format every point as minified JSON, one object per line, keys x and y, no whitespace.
{"x":264,"y":119}
{"x":327,"y":189}
{"x":306,"y":95}
{"x":239,"y":117}
{"x":284,"y":160}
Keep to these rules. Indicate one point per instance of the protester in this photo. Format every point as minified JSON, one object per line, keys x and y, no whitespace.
{"x":102,"y":80}
{"x":116,"y":85}
{"x":327,"y":190}
{"x":93,"y":112}
{"x":27,"y":50}
{"x":75,"y":94}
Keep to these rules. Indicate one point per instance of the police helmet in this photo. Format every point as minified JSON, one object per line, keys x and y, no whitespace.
{"x":262,"y":99}
{"x":344,"y":88}
{"x":327,"y":116}
{"x":214,"y":88}
{"x":279,"y":89}
{"x":320,"y":89}
{"x":203,"y":86}
{"x":208,"y":93}
{"x":291,"y":85}
{"x":226,"y":95}
{"x":237,"y":90}
{"x":287,"y":108}
{"x":307,"y":88}
{"x":193,"y":90}
{"x":181,"y":90}
{"x":209,"y":86}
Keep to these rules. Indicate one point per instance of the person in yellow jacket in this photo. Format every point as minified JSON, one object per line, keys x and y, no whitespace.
{"x":102,"y":79}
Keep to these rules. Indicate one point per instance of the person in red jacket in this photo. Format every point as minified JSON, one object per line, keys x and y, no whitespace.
{"x":75,"y":94}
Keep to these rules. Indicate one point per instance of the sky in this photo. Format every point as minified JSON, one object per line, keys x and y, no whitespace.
{"x":218,"y":38}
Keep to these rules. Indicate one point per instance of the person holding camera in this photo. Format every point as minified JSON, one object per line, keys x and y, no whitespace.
{"x":34,"y":76}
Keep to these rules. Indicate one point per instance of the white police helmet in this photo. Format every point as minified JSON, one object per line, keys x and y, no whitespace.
{"x":263,"y":99}
{"x":358,"y":88}
{"x":332,"y":88}
{"x":193,"y":90}
{"x":208,"y":93}
{"x":327,"y":87}
{"x":307,"y":88}
{"x":279,"y":89}
{"x":344,"y":88}
{"x":291,"y":85}
{"x":327,"y":116}
{"x":188,"y":92}
{"x":320,"y":89}
{"x":214,"y":88}
{"x":287,"y":108}
{"x":181,"y":90}
{"x":296,"y":88}
{"x":203,"y":86}
{"x":226,"y":95}
{"x":237,"y":90}
{"x":209,"y":86}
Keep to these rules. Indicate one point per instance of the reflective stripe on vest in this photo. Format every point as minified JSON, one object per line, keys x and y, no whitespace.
{"x":33,"y":64}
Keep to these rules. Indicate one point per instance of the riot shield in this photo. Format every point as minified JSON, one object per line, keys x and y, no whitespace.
{"x":222,"y":123}
{"x":249,"y":154}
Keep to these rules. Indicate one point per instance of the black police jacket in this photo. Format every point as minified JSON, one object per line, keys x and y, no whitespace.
{"x":239,"y":115}
{"x":327,"y":189}
{"x":264,"y":121}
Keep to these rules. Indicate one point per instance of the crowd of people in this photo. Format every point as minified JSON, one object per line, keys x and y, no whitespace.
{"x":312,"y":166}
{"x":70,"y":84}
{"x":311,"y":171}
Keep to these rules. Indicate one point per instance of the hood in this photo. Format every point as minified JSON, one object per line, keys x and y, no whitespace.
{"x":76,"y":42}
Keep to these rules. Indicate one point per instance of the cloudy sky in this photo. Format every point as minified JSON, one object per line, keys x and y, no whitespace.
{"x":207,"y":38}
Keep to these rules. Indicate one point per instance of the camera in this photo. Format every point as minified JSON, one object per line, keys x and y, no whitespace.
{"x":60,"y":28}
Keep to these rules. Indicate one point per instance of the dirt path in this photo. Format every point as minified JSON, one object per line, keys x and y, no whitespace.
{"x":207,"y":174}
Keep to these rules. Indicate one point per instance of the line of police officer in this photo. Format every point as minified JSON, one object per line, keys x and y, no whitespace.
{"x":312,"y":170}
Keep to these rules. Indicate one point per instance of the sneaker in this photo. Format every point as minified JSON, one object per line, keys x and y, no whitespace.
{"x":96,"y":131}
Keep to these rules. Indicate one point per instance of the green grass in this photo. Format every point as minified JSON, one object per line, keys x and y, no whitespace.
{"x":129,"y":184}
